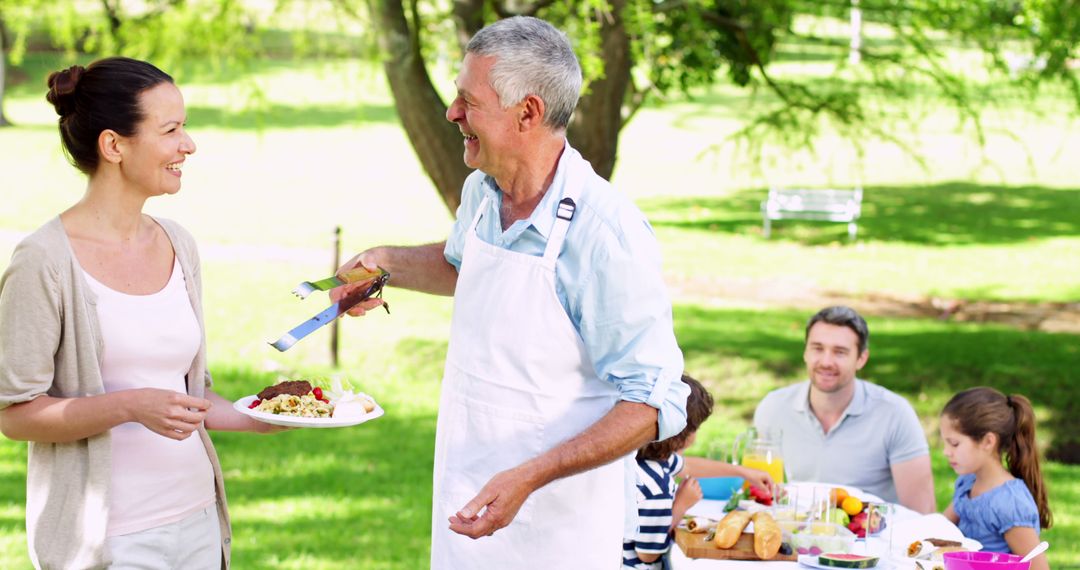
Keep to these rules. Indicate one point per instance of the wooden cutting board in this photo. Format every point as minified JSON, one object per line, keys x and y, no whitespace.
{"x":695,"y":546}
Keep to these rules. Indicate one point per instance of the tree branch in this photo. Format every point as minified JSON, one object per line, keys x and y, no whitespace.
{"x":468,"y":18}
{"x":414,"y":37}
{"x":4,"y":44}
{"x":112,"y":13}
{"x":346,"y":7}
{"x":503,"y":11}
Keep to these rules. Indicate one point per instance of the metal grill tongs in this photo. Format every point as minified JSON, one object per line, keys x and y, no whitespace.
{"x":328,"y":315}
{"x":354,"y":275}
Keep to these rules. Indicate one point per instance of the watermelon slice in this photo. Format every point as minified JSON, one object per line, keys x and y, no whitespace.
{"x":847,"y":561}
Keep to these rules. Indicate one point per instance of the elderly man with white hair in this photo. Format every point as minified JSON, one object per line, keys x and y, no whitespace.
{"x":562,"y":358}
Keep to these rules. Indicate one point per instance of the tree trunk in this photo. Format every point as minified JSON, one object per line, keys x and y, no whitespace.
{"x":3,"y":73}
{"x":594,"y":129}
{"x":437,"y":142}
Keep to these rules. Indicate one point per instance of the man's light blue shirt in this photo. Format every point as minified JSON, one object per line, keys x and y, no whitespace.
{"x":608,"y":280}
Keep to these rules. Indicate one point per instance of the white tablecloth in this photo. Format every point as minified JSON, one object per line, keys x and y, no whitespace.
{"x":715,"y":510}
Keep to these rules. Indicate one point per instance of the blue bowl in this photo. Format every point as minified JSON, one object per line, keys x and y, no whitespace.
{"x":719,"y":488}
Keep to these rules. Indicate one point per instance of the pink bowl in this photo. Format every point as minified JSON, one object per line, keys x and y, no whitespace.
{"x":983,"y":561}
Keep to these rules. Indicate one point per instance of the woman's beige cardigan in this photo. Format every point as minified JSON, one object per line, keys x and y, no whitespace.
{"x":50,"y":343}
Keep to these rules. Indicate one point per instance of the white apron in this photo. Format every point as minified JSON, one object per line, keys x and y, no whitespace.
{"x":517,"y":383}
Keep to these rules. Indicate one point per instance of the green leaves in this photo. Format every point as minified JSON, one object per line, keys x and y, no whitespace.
{"x":166,"y":32}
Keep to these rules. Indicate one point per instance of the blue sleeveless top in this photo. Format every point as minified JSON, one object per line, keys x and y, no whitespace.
{"x":986,"y":518}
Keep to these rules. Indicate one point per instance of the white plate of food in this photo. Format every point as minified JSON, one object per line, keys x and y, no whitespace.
{"x":282,"y":404}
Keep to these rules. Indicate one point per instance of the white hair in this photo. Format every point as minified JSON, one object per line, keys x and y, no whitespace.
{"x":531,"y":58}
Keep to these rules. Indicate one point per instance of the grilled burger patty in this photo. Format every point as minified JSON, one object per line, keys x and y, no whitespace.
{"x":294,"y":387}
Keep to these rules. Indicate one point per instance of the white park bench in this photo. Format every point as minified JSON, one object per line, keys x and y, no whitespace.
{"x":806,"y":204}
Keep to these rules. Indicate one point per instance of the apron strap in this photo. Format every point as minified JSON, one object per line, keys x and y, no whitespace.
{"x":479,"y":214}
{"x":563,"y":215}
{"x":573,"y":186}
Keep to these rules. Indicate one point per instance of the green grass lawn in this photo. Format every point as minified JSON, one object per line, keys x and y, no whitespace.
{"x":264,"y":192}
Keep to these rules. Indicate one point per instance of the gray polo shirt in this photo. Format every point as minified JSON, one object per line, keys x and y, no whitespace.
{"x":878,"y":429}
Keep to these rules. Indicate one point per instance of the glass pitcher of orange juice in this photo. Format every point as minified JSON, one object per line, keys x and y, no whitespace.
{"x":760,"y":449}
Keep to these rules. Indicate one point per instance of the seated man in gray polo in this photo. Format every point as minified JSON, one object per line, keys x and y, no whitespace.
{"x":839,"y":429}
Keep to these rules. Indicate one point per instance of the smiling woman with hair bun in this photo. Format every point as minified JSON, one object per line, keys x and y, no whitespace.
{"x":102,"y":346}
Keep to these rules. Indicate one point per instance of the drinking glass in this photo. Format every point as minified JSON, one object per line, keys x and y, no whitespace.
{"x":821,"y":502}
{"x":879,"y":522}
{"x":785,"y":501}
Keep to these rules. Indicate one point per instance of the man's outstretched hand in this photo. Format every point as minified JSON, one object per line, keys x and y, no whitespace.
{"x":499,"y":500}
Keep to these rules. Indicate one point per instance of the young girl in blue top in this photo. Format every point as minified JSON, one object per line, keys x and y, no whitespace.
{"x":1003,"y":506}
{"x":661,"y":501}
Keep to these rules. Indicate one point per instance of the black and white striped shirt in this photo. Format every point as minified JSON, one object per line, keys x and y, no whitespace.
{"x":655,"y":496}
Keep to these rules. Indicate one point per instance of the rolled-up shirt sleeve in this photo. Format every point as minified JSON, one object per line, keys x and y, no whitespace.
{"x":623,"y":313}
{"x":667,"y":394}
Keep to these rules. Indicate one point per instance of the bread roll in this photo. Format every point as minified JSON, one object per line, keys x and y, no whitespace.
{"x":730,"y":528}
{"x":767,"y":536}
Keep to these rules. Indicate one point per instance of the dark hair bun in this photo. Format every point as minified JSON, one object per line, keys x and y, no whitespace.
{"x":62,"y":86}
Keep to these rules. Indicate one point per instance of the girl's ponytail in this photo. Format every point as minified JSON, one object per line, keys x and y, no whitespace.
{"x":982,"y":410}
{"x":1022,"y":456}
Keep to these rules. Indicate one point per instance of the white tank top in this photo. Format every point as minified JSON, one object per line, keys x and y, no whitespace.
{"x":150,"y":341}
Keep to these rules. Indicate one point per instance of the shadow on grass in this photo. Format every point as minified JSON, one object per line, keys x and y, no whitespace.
{"x":944,"y":214}
{"x":925,"y":360}
{"x":739,"y":104}
{"x":27,"y":80}
{"x":349,"y":497}
{"x":818,"y":47}
{"x":356,"y":497}
{"x":279,"y":116}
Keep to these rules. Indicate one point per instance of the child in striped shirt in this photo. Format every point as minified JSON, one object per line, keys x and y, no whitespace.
{"x":661,"y":501}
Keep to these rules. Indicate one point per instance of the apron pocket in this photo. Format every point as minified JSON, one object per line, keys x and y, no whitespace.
{"x":483,"y":440}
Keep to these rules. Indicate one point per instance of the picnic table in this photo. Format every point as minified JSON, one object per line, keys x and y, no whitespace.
{"x":715,"y":510}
